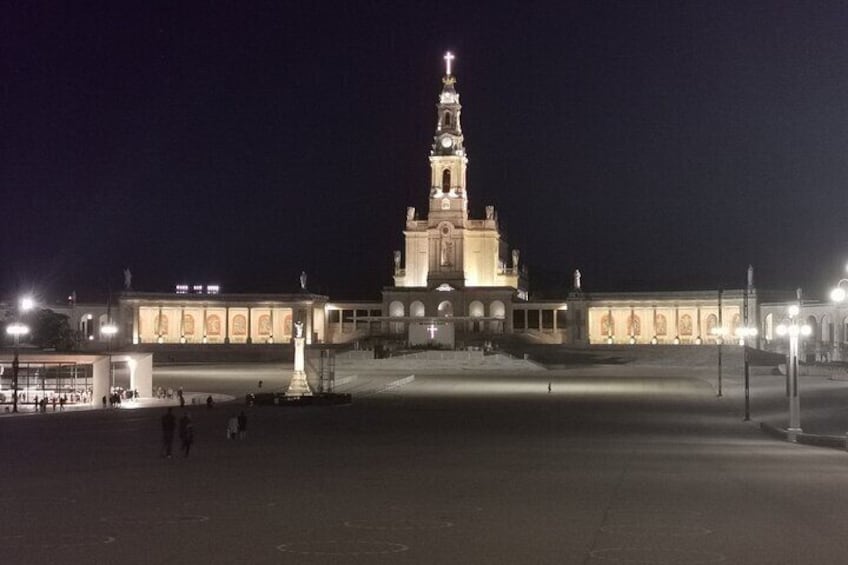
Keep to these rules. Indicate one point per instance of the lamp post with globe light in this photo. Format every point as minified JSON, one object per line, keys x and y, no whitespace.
{"x":744,"y":333}
{"x":16,"y":330}
{"x":794,"y":329}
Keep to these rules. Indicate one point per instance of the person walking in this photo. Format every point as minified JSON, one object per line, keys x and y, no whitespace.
{"x":232,"y":427}
{"x":186,"y":433}
{"x":242,"y":425}
{"x":169,"y":423}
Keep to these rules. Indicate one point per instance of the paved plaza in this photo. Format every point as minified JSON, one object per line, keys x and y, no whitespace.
{"x":615,"y":465}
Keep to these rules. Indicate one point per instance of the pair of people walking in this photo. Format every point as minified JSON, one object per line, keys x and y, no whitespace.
{"x":186,"y":428}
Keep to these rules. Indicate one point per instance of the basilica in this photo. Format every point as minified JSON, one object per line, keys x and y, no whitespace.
{"x":457,"y":282}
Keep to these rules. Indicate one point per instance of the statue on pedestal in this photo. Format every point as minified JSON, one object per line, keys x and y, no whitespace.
{"x":397,"y":261}
{"x":298,"y":386}
{"x":577,"y":277}
{"x":303,"y":280}
{"x":127,"y":279}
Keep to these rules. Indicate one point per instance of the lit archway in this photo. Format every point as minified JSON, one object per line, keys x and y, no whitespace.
{"x":445,"y":309}
{"x":416,"y":309}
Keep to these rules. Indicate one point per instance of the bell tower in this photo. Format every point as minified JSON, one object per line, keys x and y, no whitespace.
{"x":448,"y":160}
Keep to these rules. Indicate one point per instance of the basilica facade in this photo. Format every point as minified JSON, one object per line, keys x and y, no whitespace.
{"x":455,"y":282}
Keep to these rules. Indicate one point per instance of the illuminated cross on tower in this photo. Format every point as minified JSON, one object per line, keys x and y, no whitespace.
{"x":448,"y":58}
{"x":432,"y":328}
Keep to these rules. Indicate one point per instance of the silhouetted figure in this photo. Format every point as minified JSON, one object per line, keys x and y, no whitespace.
{"x":169,"y":424}
{"x":260,"y":384}
{"x":209,"y":402}
{"x":549,"y":386}
{"x":186,"y":433}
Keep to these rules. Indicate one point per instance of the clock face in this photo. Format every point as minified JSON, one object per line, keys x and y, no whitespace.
{"x":447,"y":142}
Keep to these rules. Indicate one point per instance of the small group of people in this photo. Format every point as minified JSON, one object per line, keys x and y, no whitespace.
{"x":186,"y":431}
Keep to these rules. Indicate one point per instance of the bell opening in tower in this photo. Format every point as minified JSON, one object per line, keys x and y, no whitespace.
{"x":446,"y":180}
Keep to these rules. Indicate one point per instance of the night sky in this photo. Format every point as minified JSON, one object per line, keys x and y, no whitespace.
{"x":652,"y":145}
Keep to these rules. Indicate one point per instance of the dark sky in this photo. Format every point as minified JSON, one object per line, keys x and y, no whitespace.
{"x":653,"y":145}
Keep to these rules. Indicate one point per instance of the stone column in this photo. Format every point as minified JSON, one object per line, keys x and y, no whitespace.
{"x":226,"y":324}
{"x":249,"y":326}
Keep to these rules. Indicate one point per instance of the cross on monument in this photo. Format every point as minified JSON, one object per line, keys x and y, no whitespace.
{"x":448,"y":58}
{"x":432,"y":329}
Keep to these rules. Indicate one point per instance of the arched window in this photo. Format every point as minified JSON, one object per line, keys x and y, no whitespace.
{"x":396,"y":310}
{"x":447,"y":119}
{"x":475,"y":309}
{"x":416,"y":309}
{"x":446,"y":309}
{"x":446,"y":180}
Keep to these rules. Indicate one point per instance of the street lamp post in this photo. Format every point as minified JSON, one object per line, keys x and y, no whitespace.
{"x":16,"y":330}
{"x":743,"y":333}
{"x":109,"y":330}
{"x":793,"y":328}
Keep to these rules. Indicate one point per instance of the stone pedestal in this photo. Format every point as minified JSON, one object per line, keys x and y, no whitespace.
{"x":298,"y":385}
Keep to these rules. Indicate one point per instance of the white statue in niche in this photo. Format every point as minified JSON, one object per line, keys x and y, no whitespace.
{"x":447,"y":248}
{"x":490,"y":212}
{"x":298,"y":329}
{"x":515,"y":256}
{"x":577,"y":277}
{"x":410,"y":213}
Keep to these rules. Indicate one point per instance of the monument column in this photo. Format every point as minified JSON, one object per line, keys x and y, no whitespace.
{"x":298,"y":386}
